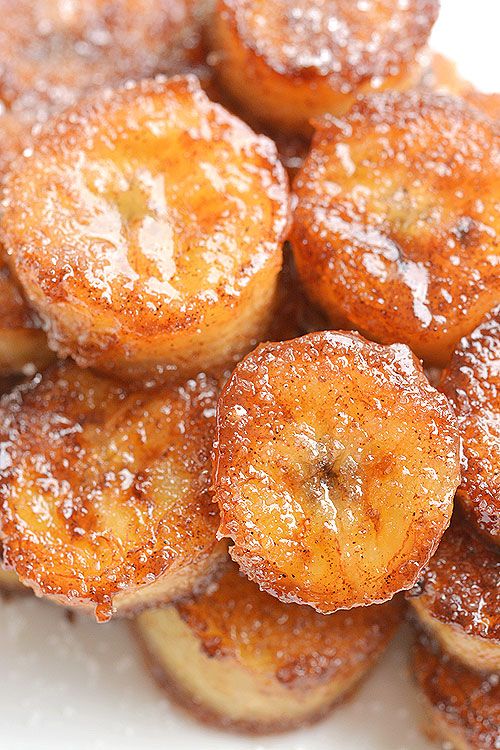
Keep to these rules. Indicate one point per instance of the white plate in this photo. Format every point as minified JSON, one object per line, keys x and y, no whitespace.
{"x":82,"y":686}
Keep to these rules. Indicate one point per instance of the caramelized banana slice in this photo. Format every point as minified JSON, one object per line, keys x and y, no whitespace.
{"x":55,"y":51}
{"x":288,"y":62}
{"x":105,"y":491}
{"x":239,"y":658}
{"x":396,"y":229}
{"x":147,"y":227}
{"x":458,"y":599}
{"x":472,"y":383}
{"x":23,"y":345}
{"x":463,"y":706}
{"x":336,"y":465}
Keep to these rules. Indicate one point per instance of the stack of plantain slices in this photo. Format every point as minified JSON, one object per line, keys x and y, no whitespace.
{"x":457,"y":600}
{"x":246,"y":415}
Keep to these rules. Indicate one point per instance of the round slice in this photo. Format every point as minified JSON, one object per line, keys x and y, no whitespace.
{"x":55,"y":51}
{"x":288,"y":62}
{"x":335,"y":468}
{"x":463,"y":706}
{"x":472,"y":384}
{"x":396,"y":229}
{"x":239,"y":658}
{"x":105,"y":491}
{"x":458,"y":599}
{"x":146,"y":226}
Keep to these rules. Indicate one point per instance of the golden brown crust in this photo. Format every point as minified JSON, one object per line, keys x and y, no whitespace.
{"x":287,"y":652}
{"x":295,"y":645}
{"x":396,"y":229}
{"x":308,"y":58}
{"x":464,"y":704}
{"x":472,"y":384}
{"x":185,"y":700}
{"x":328,"y":451}
{"x":105,"y":489}
{"x":111,"y":176}
{"x":459,"y":589}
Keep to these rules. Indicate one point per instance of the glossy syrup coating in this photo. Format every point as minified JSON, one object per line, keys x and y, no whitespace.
{"x":457,"y":598}
{"x":463,"y":706}
{"x":287,"y":62}
{"x":240,"y":658}
{"x":105,"y":490}
{"x":146,"y":226}
{"x":396,"y":229}
{"x":472,"y":384}
{"x":335,"y":468}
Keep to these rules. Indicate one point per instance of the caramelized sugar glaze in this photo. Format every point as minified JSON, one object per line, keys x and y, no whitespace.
{"x":53,"y":52}
{"x":457,"y":598}
{"x":105,"y":489}
{"x":144,"y":223}
{"x":335,"y":468}
{"x":472,"y":383}
{"x":240,"y":658}
{"x":395,"y":232}
{"x":295,"y":644}
{"x":463,"y":706}
{"x":286,"y":62}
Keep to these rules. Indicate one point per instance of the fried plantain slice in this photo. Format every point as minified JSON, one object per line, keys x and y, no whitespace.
{"x":239,"y":658}
{"x":396,"y":229}
{"x":146,"y":227}
{"x":463,"y":706}
{"x":53,"y":51}
{"x":472,"y":384}
{"x":286,"y":63}
{"x":458,"y":598}
{"x":335,"y":468}
{"x":105,"y":490}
